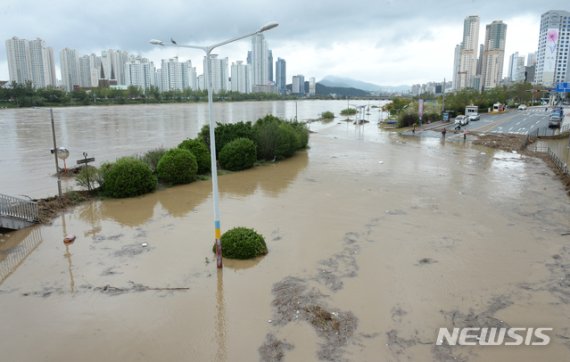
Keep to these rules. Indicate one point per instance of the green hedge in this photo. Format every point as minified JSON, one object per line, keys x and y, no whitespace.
{"x":242,"y":243}
{"x":200,"y":150}
{"x":239,"y":154}
{"x":127,"y":177}
{"x":277,"y":139}
{"x":177,"y":166}
{"x":227,"y":132}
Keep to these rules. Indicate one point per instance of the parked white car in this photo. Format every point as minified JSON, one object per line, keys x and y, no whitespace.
{"x":461,"y":120}
{"x":522,"y":107}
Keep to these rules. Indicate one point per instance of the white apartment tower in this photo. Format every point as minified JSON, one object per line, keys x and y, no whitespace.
{"x":553,"y":60}
{"x":298,"y":85}
{"x":69,"y":62}
{"x":468,"y":53}
{"x":259,"y":59}
{"x":241,"y":77}
{"x":218,"y":72}
{"x":493,"y":54}
{"x":139,"y":72}
{"x":30,"y":61}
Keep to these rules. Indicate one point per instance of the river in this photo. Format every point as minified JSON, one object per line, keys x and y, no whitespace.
{"x":110,"y":132}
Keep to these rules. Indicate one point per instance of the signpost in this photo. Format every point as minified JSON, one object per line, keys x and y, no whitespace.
{"x":563,"y":88}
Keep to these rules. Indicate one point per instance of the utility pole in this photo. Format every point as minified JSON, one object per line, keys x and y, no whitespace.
{"x":55,"y":154}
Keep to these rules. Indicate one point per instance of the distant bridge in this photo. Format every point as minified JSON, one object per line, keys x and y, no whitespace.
{"x":16,"y":213}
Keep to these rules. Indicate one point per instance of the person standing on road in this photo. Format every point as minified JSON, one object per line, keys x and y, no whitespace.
{"x":443,"y":132}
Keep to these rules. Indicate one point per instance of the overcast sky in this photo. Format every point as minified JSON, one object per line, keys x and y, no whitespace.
{"x":386,"y":42}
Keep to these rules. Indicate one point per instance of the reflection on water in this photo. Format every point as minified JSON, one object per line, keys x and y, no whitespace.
{"x":221,"y":329}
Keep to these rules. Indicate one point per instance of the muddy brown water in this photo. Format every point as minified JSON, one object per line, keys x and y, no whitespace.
{"x":375,"y":241}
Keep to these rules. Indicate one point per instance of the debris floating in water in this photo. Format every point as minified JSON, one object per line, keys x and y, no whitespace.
{"x":68,"y":239}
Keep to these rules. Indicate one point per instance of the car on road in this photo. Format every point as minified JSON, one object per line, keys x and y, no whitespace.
{"x":554,"y":121}
{"x":461,"y":120}
{"x":522,"y":107}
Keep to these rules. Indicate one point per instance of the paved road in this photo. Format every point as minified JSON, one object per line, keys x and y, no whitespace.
{"x":512,"y":121}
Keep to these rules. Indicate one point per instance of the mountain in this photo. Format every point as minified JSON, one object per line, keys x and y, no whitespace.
{"x":340,"y":91}
{"x":333,"y":81}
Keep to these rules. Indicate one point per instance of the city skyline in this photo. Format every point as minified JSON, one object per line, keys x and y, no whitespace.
{"x":386,"y":44}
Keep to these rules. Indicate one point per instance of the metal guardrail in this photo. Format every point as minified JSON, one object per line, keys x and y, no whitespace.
{"x":18,"y":208}
{"x":562,"y":166}
{"x":13,"y":258}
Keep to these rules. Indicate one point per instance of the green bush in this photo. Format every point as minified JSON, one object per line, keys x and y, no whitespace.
{"x":200,"y":150}
{"x":327,"y":115}
{"x":89,"y":177}
{"x":348,"y":112}
{"x":177,"y":166}
{"x":127,"y":177}
{"x":242,"y":243}
{"x":227,"y":132}
{"x":287,"y":142}
{"x":302,"y":133}
{"x":239,"y":154}
{"x":152,"y":157}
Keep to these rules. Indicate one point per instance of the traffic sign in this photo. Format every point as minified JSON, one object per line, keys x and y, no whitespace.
{"x":85,"y":160}
{"x":563,"y":87}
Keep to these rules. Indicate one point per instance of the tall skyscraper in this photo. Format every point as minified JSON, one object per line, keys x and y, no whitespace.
{"x":69,"y":62}
{"x":516,"y":68}
{"x":553,"y":61}
{"x":270,"y":65}
{"x":468,"y":53}
{"x":456,"y":66}
{"x":30,"y":61}
{"x":259,"y":58}
{"x":281,"y":75}
{"x":494,"y":54}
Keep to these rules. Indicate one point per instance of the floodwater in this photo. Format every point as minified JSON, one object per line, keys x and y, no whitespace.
{"x":375,"y":241}
{"x":109,"y":132}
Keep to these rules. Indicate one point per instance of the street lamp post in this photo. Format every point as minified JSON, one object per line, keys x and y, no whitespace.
{"x":208,"y":51}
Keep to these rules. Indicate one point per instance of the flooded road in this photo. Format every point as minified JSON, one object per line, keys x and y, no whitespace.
{"x":375,"y":241}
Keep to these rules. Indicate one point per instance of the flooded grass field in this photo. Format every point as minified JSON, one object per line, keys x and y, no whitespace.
{"x":375,"y":242}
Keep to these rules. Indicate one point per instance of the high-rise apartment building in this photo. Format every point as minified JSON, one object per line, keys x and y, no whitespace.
{"x":456,"y":65}
{"x":553,"y":60}
{"x":218,"y":72}
{"x":270,"y":65}
{"x":494,"y":54}
{"x":298,"y":85}
{"x":69,"y":62}
{"x":241,"y":77}
{"x":139,"y":72}
{"x":281,"y":75}
{"x":30,"y":61}
{"x":468,"y":53}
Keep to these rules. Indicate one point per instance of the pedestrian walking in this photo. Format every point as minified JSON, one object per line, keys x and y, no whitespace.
{"x":443,"y":132}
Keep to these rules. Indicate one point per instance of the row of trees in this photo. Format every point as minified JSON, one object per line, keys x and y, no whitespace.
{"x":25,"y":95}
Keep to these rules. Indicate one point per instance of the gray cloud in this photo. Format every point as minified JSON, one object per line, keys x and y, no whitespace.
{"x":96,"y":25}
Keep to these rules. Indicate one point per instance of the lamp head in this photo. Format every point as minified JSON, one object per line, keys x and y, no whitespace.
{"x":156,"y":42}
{"x":268,"y":26}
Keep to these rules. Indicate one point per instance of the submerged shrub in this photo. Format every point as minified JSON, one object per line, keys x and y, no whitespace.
{"x":177,"y":166}
{"x":152,"y":157}
{"x":227,"y":132}
{"x":89,"y":177}
{"x":242,"y":243}
{"x":327,"y":115}
{"x":127,"y":177}
{"x":200,"y":150}
{"x":239,"y":154}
